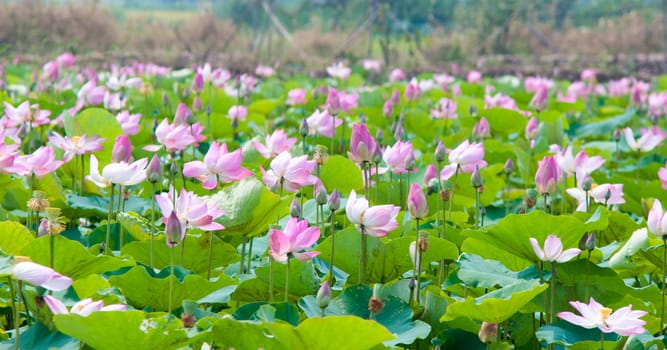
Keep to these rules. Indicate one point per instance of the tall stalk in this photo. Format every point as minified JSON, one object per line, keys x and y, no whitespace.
{"x":287,"y":280}
{"x":107,"y":242}
{"x":152,"y":225}
{"x":664,"y":272}
{"x":171,"y":279}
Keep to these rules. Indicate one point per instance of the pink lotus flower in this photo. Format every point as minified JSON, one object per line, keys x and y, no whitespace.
{"x":553,"y":250}
{"x":547,"y":175}
{"x":657,"y":103}
{"x":430,"y":174}
{"x":339,"y":71}
{"x":540,"y":99}
{"x":662,"y":173}
{"x":376,"y":221}
{"x":533,"y":84}
{"x":8,"y":154}
{"x":129,"y":122}
{"x":182,"y":114}
{"x":588,"y":75}
{"x":41,"y":276}
{"x":417,"y":205}
{"x":192,"y":210}
{"x":322,"y":123}
{"x":174,"y":138}
{"x":174,"y":230}
{"x":499,"y":100}
{"x":447,"y":110}
{"x":83,"y":307}
{"x":395,"y":156}
{"x":598,"y":194}
{"x":482,"y":129}
{"x":618,"y":88}
{"x":650,"y":139}
{"x":276,"y":143}
{"x":657,"y":220}
{"x":66,"y":59}
{"x":488,"y":333}
{"x":76,"y":145}
{"x":124,"y":174}
{"x":197,"y":83}
{"x":532,"y":128}
{"x":113,"y":101}
{"x":116,"y":83}
{"x":218,"y":165}
{"x":122,"y":150}
{"x":412,"y":90}
{"x":296,"y":236}
{"x":339,"y":101}
{"x":474,"y":77}
{"x":238,"y":112}
{"x":371,"y":65}
{"x":443,"y":80}
{"x":90,"y":94}
{"x":396,"y":74}
{"x":624,"y":321}
{"x":464,"y":157}
{"x":585,"y":165}
{"x":296,"y":97}
{"x":26,"y":114}
{"x":362,"y":144}
{"x":40,"y":163}
{"x":264,"y":71}
{"x":289,"y":173}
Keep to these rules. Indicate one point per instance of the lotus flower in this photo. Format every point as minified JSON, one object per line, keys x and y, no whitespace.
{"x":532,"y":128}
{"x":322,"y":123}
{"x":289,"y":173}
{"x":193,"y":211}
{"x":76,"y":145}
{"x":599,"y":194}
{"x":540,"y":98}
{"x":650,"y":138}
{"x":474,"y":77}
{"x":218,"y":165}
{"x":83,"y":308}
{"x":624,"y":321}
{"x":238,"y":112}
{"x":662,"y":174}
{"x":40,"y":163}
{"x":417,"y":205}
{"x":124,"y":174}
{"x":129,"y":122}
{"x":26,"y":114}
{"x":174,"y":138}
{"x":371,"y":65}
{"x":276,"y":143}
{"x":553,"y":250}
{"x":546,"y":176}
{"x":296,"y":97}
{"x":396,"y":74}
{"x":657,"y":220}
{"x":362,"y":144}
{"x":482,"y":129}
{"x":296,"y":237}
{"x":464,"y":157}
{"x":447,"y":110}
{"x":396,"y":156}
{"x":39,"y":275}
{"x":376,"y":221}
{"x":339,"y":71}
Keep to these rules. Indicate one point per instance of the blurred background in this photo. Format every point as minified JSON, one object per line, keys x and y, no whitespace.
{"x":555,"y":37}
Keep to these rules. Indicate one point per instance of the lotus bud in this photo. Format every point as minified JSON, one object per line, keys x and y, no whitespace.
{"x":399,"y":133}
{"x":173,"y":231}
{"x":410,"y":162}
{"x":235,"y":123}
{"x":186,"y":93}
{"x":321,"y":195}
{"x":488,"y":333}
{"x":417,"y":202}
{"x":198,"y":83}
{"x":295,"y":209}
{"x":165,"y":99}
{"x":476,"y":178}
{"x":388,"y":109}
{"x":377,"y":156}
{"x":412,"y":284}
{"x":587,"y":185}
{"x":154,"y":170}
{"x":617,"y":135}
{"x":472,"y":110}
{"x":197,"y":105}
{"x":395,"y":97}
{"x":440,"y":152}
{"x":587,"y":242}
{"x":362,"y":118}
{"x":509,"y":166}
{"x":323,"y":295}
{"x":379,"y":136}
{"x":546,"y":176}
{"x":303,"y":129}
{"x":122,"y":149}
{"x":334,"y":200}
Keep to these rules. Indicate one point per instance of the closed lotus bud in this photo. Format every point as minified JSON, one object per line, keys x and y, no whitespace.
{"x":476,"y":178}
{"x":321,"y":195}
{"x":509,"y":166}
{"x":379,"y":136}
{"x":399,"y":133}
{"x":235,"y":123}
{"x":472,"y":110}
{"x":395,"y":97}
{"x":417,"y":202}
{"x":186,"y":93}
{"x":295,"y":209}
{"x":197,"y":105}
{"x":587,"y":242}
{"x":198,"y":83}
{"x":482,"y":129}
{"x":410,"y":162}
{"x":334,"y":200}
{"x":617,"y":135}
{"x":532,"y":129}
{"x":165,"y":99}
{"x":587,"y":185}
{"x":323,"y":295}
{"x":122,"y":149}
{"x":377,"y":156}
{"x":22,"y":131}
{"x":174,"y":230}
{"x":362,"y":118}
{"x":546,"y":176}
{"x":440,"y":152}
{"x":488,"y":333}
{"x":303,"y":129}
{"x":412,"y":283}
{"x":154,"y":169}
{"x":189,"y":117}
{"x":388,"y":109}
{"x":43,"y":229}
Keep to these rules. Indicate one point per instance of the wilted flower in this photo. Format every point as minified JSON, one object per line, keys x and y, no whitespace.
{"x":624,"y":321}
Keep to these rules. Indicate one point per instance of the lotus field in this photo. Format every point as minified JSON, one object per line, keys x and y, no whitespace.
{"x":146,"y":207}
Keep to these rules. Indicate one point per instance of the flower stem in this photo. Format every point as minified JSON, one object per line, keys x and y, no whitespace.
{"x":107,"y":242}
{"x":241,"y":271}
{"x":121,"y":207}
{"x":553,"y":292}
{"x":171,"y":279}
{"x":271,"y":280}
{"x":418,"y":263}
{"x":478,"y":212}
{"x":664,"y":271}
{"x":362,"y":255}
{"x":250,"y":254}
{"x":51,"y":249}
{"x":588,"y":271}
{"x":17,"y":321}
{"x":153,"y":226}
{"x":451,"y":197}
{"x":210,"y":254}
{"x":332,"y":279}
{"x":507,"y":195}
{"x":83,"y":174}
{"x":287,"y":281}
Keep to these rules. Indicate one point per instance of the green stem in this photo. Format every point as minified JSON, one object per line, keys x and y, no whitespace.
{"x":107,"y":242}
{"x":17,"y":321}
{"x":451,"y":196}
{"x":417,"y":264}
{"x":332,"y":280}
{"x":601,"y":340}
{"x":51,"y":249}
{"x":287,"y":280}
{"x":171,"y":279}
{"x":362,"y":255}
{"x":210,"y":254}
{"x":478,"y":212}
{"x":270,"y":280}
{"x":250,"y":254}
{"x":242,"y":255}
{"x":553,"y":291}
{"x":333,"y":141}
{"x":121,"y":207}
{"x":400,"y":190}
{"x":588,"y":271}
{"x":83,"y":174}
{"x":507,"y":195}
{"x":153,"y":226}
{"x":183,"y":249}
{"x":664,"y":271}
{"x":441,"y":234}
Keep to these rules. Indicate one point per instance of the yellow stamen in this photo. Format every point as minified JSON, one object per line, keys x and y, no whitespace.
{"x":604,"y":313}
